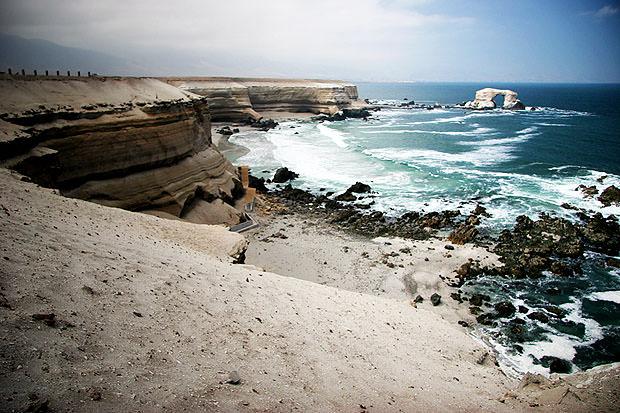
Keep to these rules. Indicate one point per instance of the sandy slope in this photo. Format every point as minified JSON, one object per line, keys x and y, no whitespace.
{"x":151,"y":315}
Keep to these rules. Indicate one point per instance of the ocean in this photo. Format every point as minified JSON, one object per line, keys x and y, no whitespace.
{"x":512,"y":162}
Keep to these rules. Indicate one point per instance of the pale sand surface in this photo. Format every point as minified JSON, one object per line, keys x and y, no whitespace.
{"x":305,"y":247}
{"x":151,"y":315}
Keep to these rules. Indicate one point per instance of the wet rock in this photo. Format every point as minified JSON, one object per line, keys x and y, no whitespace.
{"x":226,"y":131}
{"x":435,"y":299}
{"x":486,"y":319}
{"x":467,"y":271}
{"x":611,"y":195}
{"x":456,"y":297}
{"x":556,"y":364}
{"x":505,"y":309}
{"x":346,"y":197}
{"x":297,"y":195}
{"x":463,"y":234}
{"x":359,"y":188}
{"x":477,"y":299}
{"x":538,"y":315}
{"x":263,"y":124}
{"x":463,"y":323}
{"x":418,"y":299}
{"x":602,"y":234}
{"x":283,"y":175}
{"x":258,"y":184}
{"x":523,"y":309}
{"x":480,"y":211}
{"x":588,"y":191}
{"x":449,"y":247}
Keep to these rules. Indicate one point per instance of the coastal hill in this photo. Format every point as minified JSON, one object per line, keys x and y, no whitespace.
{"x":107,"y":309}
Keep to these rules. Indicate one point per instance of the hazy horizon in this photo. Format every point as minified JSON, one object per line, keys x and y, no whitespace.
{"x":368,"y":40}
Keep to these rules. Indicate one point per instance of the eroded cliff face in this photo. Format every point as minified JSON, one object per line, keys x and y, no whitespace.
{"x":137,"y":144}
{"x":237,"y":99}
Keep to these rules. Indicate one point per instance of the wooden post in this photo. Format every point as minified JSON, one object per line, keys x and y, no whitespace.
{"x":88,"y":74}
{"x":68,"y":73}
{"x":58,"y":73}
{"x":47,"y":73}
{"x":35,"y":72}
{"x":10,"y":71}
{"x":23,"y":72}
{"x":78,"y":73}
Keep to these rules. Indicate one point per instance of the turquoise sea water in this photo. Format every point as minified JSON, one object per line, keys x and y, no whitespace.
{"x":513,"y":162}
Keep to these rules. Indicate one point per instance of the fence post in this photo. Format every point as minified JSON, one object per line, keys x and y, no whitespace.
{"x":58,"y":73}
{"x":47,"y":73}
{"x":79,"y":73}
{"x":35,"y":72}
{"x":10,"y":71}
{"x":23,"y":72}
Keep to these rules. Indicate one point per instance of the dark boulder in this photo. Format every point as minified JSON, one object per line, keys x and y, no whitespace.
{"x":283,"y":175}
{"x":435,"y":299}
{"x":463,"y":234}
{"x":359,"y":188}
{"x":556,"y":364}
{"x":505,"y":309}
{"x":588,"y":191}
{"x":611,"y":195}
{"x":346,"y":197}
{"x":477,"y":299}
{"x":258,"y":184}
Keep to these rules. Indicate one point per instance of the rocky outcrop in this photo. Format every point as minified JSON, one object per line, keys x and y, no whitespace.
{"x":485,"y":99}
{"x":137,"y":144}
{"x":237,"y":99}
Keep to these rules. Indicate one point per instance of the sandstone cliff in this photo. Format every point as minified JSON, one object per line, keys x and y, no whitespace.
{"x":235,"y":99}
{"x":133,"y":143}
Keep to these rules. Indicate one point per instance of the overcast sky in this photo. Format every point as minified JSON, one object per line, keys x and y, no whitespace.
{"x":415,"y":40}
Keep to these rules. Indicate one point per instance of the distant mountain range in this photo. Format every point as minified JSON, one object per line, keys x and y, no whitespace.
{"x":34,"y":54}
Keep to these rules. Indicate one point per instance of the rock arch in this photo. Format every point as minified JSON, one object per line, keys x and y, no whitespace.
{"x":485,"y":99}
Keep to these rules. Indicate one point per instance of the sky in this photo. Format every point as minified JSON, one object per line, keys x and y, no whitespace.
{"x":372,"y":40}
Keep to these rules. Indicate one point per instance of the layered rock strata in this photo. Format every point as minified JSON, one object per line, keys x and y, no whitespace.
{"x":137,"y":144}
{"x":238,"y":99}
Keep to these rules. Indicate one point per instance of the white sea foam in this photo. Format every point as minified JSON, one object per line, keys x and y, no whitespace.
{"x":613,"y":296}
{"x":551,"y":124}
{"x":336,"y":136}
{"x":484,"y":156}
{"x":475,"y":132}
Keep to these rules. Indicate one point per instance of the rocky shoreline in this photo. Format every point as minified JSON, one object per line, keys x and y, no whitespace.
{"x":545,"y":247}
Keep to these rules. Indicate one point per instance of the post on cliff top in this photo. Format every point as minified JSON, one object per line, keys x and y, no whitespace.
{"x":68,"y":73}
{"x":58,"y":73}
{"x":10,"y":71}
{"x":47,"y":73}
{"x":79,"y":73}
{"x":23,"y":72}
{"x":35,"y":72}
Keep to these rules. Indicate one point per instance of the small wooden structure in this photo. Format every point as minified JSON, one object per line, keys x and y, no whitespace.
{"x":247,"y":201}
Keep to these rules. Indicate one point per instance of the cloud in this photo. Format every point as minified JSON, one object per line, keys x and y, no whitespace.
{"x":606,"y":11}
{"x":281,"y":29}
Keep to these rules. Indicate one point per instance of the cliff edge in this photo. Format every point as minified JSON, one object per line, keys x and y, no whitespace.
{"x":239,"y":99}
{"x":133,"y":143}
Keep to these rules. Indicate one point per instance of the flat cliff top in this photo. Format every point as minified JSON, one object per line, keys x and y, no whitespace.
{"x":256,"y":81}
{"x":18,"y":95}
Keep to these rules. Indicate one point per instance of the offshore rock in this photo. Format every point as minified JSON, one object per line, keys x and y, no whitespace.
{"x":485,"y":99}
{"x":611,"y":195}
{"x":283,"y":175}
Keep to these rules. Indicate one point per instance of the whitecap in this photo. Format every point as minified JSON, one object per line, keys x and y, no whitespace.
{"x":613,"y":296}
